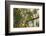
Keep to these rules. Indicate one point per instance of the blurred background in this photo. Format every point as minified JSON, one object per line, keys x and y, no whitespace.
{"x":26,"y":17}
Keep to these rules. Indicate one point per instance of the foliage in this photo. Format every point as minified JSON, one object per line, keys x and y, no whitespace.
{"x":22,"y":15}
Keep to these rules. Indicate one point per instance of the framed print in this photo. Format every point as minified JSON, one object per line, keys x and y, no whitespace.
{"x":24,"y":17}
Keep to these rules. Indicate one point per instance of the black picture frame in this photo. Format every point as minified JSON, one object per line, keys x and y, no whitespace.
{"x":7,"y":4}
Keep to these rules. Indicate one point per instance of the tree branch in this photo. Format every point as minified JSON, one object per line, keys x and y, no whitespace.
{"x":35,"y":18}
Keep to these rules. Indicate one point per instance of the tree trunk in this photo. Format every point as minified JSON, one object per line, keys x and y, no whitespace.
{"x":25,"y":18}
